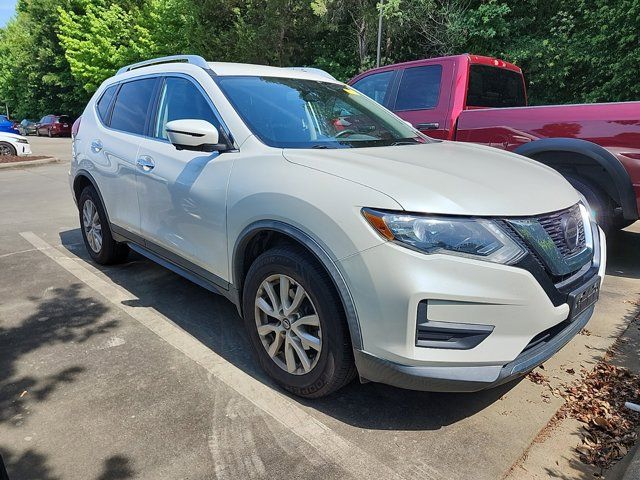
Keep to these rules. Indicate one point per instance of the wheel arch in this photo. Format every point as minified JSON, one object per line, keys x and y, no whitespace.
{"x":262,"y":235}
{"x":567,"y":154}
{"x":82,"y":180}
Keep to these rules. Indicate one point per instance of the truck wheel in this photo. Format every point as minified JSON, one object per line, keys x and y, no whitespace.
{"x":295,"y":323}
{"x":96,"y":233}
{"x":600,"y":203}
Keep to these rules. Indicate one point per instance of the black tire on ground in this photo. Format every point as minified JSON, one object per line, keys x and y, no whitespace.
{"x":7,"y":149}
{"x":111,"y":251}
{"x":335,"y":368}
{"x":600,"y":203}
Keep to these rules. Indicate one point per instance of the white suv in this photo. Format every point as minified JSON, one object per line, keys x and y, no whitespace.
{"x":350,"y":243}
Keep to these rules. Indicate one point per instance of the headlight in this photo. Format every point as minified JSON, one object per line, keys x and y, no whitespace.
{"x":476,"y":238}
{"x":22,"y":140}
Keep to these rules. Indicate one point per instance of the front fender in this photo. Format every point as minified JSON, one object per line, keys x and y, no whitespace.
{"x":554,"y":152}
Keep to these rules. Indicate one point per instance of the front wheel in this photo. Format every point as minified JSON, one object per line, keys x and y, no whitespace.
{"x":295,"y":323}
{"x":96,"y":232}
{"x":7,"y":149}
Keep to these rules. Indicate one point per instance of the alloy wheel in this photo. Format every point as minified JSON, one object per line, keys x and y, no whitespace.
{"x":288,"y":324}
{"x":92,"y":226}
{"x":5,"y":149}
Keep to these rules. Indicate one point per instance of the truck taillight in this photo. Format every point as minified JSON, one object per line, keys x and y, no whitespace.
{"x":76,"y":127}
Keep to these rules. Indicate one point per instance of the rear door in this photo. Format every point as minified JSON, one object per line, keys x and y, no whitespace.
{"x":114,"y":144}
{"x":183,"y":193}
{"x":422,"y":97}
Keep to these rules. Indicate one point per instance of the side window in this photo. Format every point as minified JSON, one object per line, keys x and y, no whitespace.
{"x":105,"y":101}
{"x":181,"y":99}
{"x":132,"y":106}
{"x":375,"y":86}
{"x":419,"y":88}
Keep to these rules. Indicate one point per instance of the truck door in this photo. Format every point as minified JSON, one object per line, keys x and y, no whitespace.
{"x":422,"y":98}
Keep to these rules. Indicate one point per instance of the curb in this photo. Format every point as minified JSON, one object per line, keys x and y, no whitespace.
{"x":29,"y":163}
{"x":633,"y":469}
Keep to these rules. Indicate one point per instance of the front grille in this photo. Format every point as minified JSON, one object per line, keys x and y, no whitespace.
{"x":553,"y":225}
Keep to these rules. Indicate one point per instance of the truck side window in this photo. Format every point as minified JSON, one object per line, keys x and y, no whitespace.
{"x":419,"y":88}
{"x":495,"y":87}
{"x":375,"y":86}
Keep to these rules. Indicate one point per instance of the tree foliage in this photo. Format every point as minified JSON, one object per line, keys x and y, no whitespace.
{"x":55,"y":53}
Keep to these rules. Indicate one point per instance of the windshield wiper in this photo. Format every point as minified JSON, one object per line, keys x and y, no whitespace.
{"x":320,"y":146}
{"x":404,"y":142}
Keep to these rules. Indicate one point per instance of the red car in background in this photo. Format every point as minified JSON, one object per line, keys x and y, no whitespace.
{"x":471,"y":98}
{"x":54,"y":126}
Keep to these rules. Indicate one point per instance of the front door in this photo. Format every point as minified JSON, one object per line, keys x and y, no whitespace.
{"x":422,"y":100}
{"x":182,"y":193}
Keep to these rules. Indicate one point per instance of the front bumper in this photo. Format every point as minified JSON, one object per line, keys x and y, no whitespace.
{"x":23,"y":149}
{"x":469,"y":378}
{"x":392,"y":281}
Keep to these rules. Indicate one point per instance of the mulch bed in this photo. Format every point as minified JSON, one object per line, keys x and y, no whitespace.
{"x":14,"y":158}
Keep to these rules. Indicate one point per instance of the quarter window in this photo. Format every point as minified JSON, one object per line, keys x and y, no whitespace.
{"x":375,"y":86}
{"x":105,"y":102}
{"x":181,"y":99}
{"x":132,"y":106}
{"x":419,"y":88}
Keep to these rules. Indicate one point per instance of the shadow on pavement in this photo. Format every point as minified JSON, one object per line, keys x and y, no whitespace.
{"x":63,"y":316}
{"x":214,"y":321}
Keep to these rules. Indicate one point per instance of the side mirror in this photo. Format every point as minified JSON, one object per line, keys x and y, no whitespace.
{"x":197,"y":135}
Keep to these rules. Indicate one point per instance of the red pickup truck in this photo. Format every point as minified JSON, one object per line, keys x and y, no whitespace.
{"x":471,"y":98}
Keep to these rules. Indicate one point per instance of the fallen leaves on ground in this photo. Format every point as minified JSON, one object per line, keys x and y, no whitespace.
{"x":537,"y":377}
{"x":609,"y":429}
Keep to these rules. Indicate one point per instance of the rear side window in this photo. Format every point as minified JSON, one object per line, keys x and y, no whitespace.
{"x":132,"y":105}
{"x":419,"y":88}
{"x":105,"y":101}
{"x":375,"y":86}
{"x":180,"y":99}
{"x":495,"y":87}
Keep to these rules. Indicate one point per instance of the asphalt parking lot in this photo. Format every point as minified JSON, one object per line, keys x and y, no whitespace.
{"x":133,"y":372}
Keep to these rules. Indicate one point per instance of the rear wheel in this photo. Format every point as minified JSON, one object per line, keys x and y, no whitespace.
{"x":295,"y":323}
{"x":7,"y":149}
{"x":96,"y":233}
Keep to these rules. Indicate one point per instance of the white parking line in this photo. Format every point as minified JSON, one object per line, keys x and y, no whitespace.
{"x":332,"y":447}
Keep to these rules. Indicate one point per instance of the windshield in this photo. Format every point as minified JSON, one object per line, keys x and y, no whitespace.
{"x":295,"y":113}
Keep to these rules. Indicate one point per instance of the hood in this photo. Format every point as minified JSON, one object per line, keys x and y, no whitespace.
{"x":11,"y":136}
{"x":448,"y":178}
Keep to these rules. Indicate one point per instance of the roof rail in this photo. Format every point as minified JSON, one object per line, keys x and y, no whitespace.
{"x":317,"y":71}
{"x":193,"y":59}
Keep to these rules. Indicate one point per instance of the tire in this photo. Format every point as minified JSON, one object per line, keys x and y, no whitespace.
{"x":600,"y":203}
{"x":7,"y":149}
{"x":107,"y":251}
{"x":328,"y":369}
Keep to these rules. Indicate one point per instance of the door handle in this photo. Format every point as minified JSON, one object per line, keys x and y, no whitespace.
{"x":96,"y":146}
{"x":145,"y":162}
{"x":428,"y":126}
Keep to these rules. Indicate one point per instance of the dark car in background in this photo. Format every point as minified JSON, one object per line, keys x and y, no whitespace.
{"x":27,"y":127}
{"x":54,"y":126}
{"x":7,"y":125}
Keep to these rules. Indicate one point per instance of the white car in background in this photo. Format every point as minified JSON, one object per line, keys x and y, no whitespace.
{"x":12,"y":144}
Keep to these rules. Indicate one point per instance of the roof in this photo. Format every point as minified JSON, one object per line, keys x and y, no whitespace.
{"x":228,"y":69}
